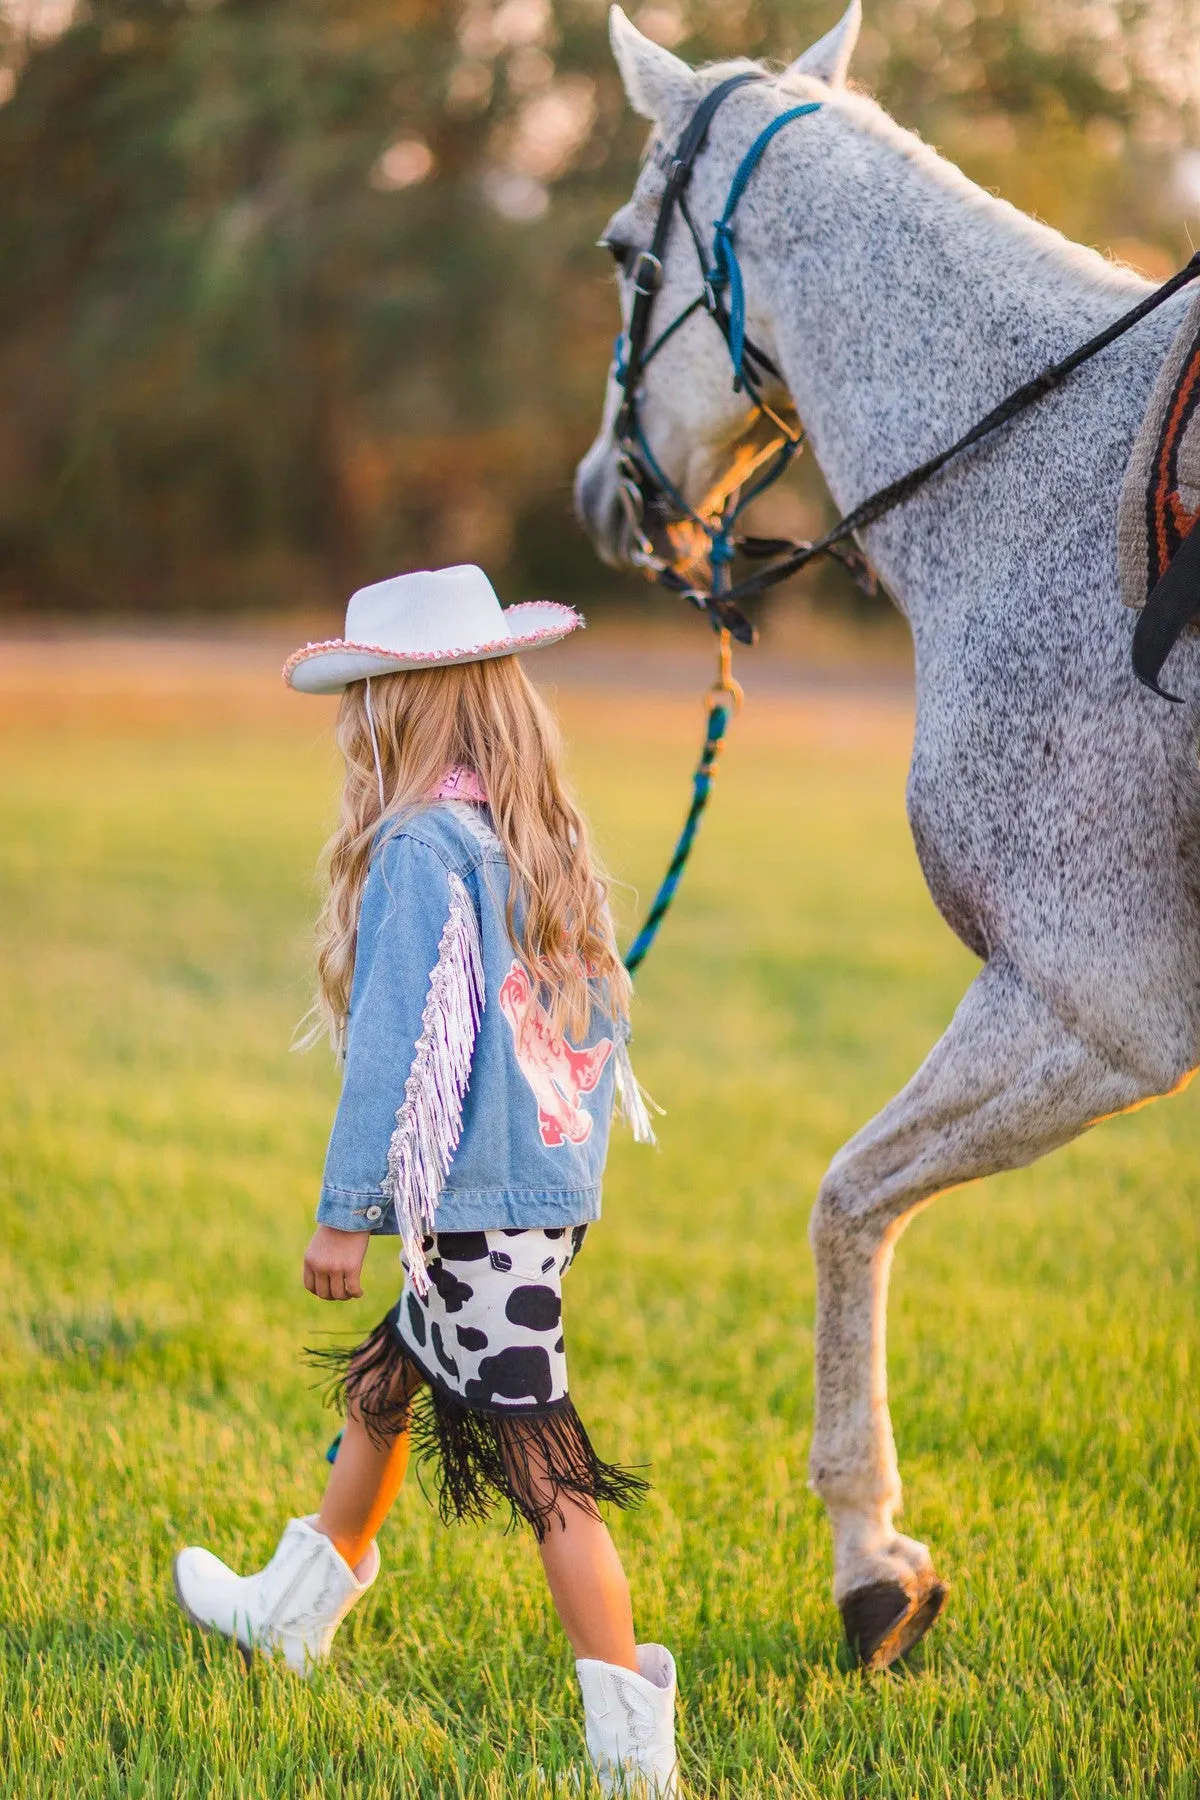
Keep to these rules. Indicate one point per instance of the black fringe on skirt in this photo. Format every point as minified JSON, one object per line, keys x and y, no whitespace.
{"x":477,"y":1455}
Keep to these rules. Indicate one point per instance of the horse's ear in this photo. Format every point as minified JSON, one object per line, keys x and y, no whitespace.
{"x":659,"y":85}
{"x":829,"y":57}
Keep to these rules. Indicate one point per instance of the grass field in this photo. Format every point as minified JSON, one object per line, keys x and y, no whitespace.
{"x":161,"y":1151}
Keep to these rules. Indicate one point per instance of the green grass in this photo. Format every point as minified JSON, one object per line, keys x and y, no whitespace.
{"x":160,"y":1154}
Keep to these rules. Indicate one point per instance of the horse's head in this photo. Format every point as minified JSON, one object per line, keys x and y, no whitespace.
{"x":698,"y":434}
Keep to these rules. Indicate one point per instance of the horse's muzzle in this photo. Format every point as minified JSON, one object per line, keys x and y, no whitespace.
{"x":619,"y":505}
{"x":598,"y":503}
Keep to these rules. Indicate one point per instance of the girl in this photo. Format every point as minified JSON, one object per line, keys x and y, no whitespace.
{"x":469,"y":979}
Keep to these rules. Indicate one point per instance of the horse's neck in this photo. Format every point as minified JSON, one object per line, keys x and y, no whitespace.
{"x":908,"y":301}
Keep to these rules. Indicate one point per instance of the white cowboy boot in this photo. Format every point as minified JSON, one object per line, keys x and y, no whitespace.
{"x":291,"y":1609}
{"x":630,"y":1722}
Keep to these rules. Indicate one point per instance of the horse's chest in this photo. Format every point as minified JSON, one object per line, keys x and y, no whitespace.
{"x":943,"y":815}
{"x":991,"y":781}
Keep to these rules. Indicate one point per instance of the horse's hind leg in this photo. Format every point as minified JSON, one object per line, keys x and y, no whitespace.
{"x":1005,"y":1084}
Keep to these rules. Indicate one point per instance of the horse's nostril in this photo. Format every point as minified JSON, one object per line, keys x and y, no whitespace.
{"x":614,"y":519}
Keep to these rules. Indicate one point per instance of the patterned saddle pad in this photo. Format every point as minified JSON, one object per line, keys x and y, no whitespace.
{"x":1160,"y":495}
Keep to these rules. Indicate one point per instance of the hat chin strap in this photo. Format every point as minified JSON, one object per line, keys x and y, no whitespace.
{"x":375,"y":747}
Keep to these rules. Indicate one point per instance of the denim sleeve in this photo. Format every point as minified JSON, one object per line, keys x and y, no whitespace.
{"x":404,"y":908}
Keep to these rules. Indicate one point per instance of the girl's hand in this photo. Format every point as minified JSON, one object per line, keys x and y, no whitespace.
{"x":333,"y":1263}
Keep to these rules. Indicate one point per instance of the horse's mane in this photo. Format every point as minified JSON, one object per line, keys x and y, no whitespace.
{"x":1043,"y":244}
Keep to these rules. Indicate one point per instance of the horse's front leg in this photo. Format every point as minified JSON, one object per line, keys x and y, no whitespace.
{"x":1006,"y":1083}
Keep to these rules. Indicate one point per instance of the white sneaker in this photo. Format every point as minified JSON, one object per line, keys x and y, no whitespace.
{"x":291,"y":1609}
{"x":630,"y":1721}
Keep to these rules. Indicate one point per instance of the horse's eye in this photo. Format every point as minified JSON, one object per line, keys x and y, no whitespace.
{"x":619,"y":252}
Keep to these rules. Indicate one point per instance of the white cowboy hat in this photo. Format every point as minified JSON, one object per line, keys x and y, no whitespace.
{"x":425,"y":620}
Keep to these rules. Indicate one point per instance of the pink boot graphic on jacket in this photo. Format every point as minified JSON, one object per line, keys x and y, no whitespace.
{"x":557,"y":1074}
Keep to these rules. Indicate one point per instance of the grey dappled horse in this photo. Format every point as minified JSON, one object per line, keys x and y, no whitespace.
{"x":1055,"y":804}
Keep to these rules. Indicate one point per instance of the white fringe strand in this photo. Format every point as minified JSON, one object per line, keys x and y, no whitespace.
{"x":429,"y":1122}
{"x":633,"y":1102}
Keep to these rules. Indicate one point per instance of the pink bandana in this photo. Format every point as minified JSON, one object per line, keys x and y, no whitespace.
{"x":460,"y":784}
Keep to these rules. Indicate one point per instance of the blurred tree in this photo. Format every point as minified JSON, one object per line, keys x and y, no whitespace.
{"x":297,"y":292}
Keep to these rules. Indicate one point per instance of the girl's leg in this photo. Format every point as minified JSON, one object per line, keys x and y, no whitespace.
{"x":363,"y":1483}
{"x":588,"y":1586}
{"x":628,"y":1690}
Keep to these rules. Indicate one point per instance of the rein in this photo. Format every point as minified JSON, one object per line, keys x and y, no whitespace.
{"x":646,"y":490}
{"x":1150,"y":646}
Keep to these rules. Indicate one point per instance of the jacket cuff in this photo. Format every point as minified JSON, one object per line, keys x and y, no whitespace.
{"x":356,"y":1209}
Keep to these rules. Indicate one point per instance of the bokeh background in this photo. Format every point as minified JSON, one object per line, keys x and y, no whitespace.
{"x":294,"y":293}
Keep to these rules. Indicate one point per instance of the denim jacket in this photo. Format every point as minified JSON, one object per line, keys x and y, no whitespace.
{"x":460,"y":1110}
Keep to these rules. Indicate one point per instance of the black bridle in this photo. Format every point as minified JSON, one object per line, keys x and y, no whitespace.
{"x":649,"y":496}
{"x":647,"y":493}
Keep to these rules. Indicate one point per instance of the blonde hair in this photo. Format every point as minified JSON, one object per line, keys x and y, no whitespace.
{"x":485,"y":716}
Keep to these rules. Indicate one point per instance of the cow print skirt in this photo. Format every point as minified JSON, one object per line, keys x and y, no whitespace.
{"x":476,"y":1370}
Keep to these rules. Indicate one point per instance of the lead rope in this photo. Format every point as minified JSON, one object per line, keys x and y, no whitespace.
{"x":723,"y":699}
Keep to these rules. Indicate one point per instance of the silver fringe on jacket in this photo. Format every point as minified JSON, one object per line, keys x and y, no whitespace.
{"x":429,"y":1121}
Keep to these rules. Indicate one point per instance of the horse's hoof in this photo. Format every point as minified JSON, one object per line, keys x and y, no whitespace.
{"x":883,"y":1621}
